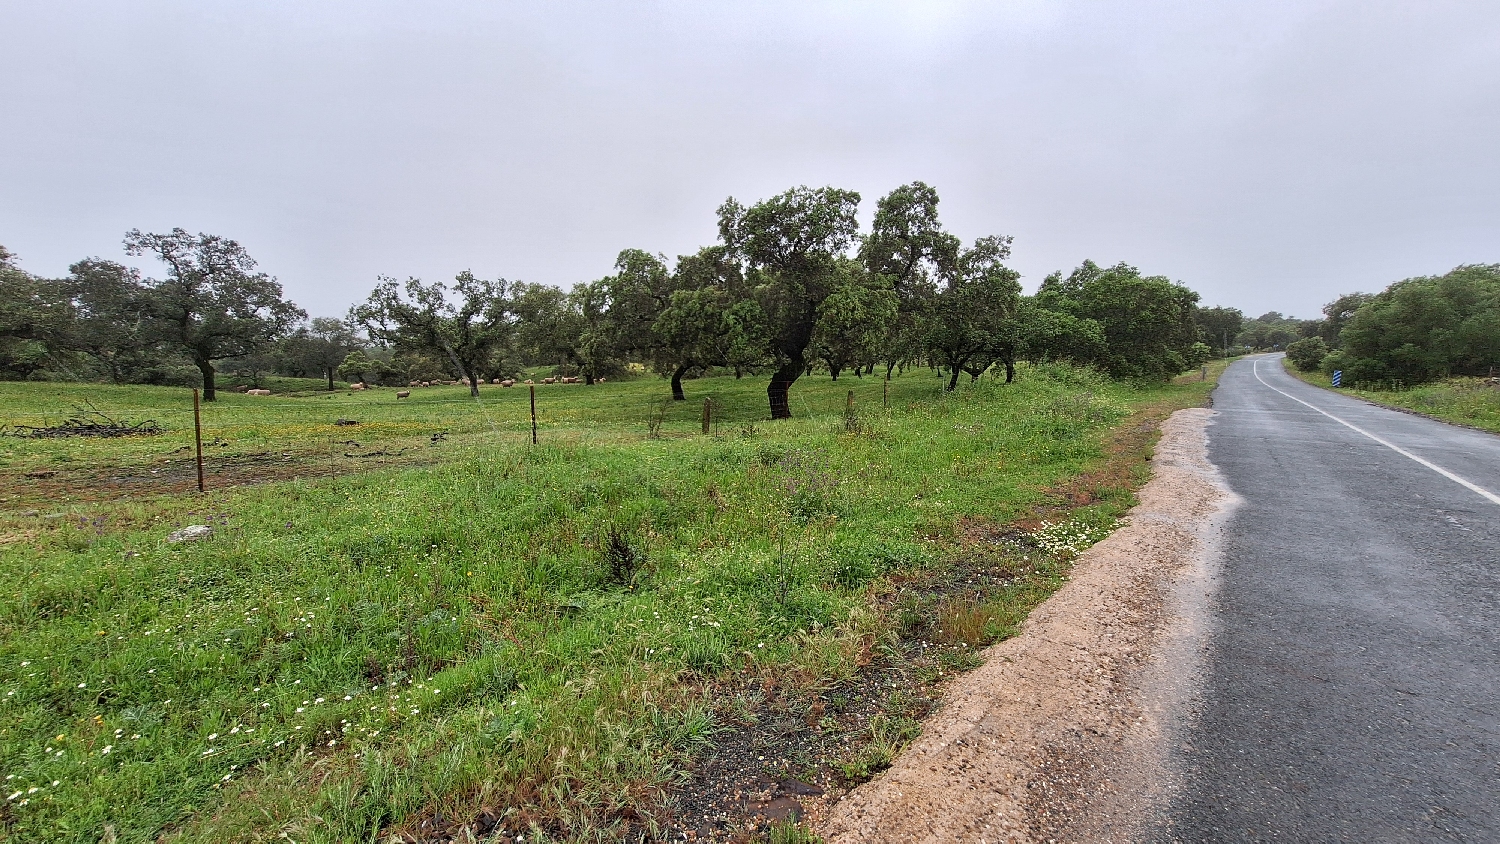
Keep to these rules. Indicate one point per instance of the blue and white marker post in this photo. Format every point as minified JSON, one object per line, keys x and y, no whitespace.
{"x":1338,"y":377}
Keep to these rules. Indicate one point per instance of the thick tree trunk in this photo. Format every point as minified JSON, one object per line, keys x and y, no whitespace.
{"x":737,"y":373}
{"x":588,"y":379}
{"x":207,"y":370}
{"x":329,"y":372}
{"x":834,"y":371}
{"x":677,"y":394}
{"x":1010,"y":370}
{"x":781,"y":384}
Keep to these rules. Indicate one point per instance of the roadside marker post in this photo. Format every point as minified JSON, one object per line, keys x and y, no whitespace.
{"x":1338,"y":377}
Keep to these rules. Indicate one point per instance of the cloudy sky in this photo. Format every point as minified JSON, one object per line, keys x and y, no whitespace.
{"x":1270,"y":155}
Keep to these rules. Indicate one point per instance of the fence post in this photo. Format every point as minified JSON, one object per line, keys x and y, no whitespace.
{"x":198,"y":437}
{"x":885,"y":399}
{"x":707,"y":414}
{"x":533,"y":413}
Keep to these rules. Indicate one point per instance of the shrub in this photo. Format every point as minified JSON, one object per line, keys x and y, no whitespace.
{"x":1307,"y":354}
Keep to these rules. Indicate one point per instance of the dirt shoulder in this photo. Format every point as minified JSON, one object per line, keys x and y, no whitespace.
{"x":1060,"y":734}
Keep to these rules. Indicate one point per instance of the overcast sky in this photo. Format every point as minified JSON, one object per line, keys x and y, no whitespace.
{"x":1270,"y":155}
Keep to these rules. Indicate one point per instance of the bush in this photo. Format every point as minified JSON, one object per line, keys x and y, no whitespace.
{"x":1307,"y":354}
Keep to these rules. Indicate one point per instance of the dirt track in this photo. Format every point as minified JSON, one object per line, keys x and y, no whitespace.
{"x":1057,"y":736}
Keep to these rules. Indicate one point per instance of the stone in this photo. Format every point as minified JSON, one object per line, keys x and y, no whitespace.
{"x":191,"y":533}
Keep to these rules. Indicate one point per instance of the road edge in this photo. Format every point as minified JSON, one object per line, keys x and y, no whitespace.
{"x":1065,"y":731}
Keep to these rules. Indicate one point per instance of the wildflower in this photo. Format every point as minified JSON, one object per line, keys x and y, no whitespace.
{"x":106,"y":750}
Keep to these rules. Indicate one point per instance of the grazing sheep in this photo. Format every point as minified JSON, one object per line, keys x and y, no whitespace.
{"x":356,"y":386}
{"x":495,"y":381}
{"x":427,"y":383}
{"x":549,"y":380}
{"x":401,"y":394}
{"x":414,"y":383}
{"x":529,"y":381}
{"x":509,"y":382}
{"x":257,"y":392}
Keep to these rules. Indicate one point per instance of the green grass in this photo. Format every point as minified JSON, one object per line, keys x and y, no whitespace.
{"x":1464,"y":400}
{"x":362,"y":647}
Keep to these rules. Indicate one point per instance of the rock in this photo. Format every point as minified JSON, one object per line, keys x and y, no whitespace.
{"x":191,"y":533}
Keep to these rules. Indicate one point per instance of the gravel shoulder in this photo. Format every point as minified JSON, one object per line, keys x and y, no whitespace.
{"x":1062,"y":733}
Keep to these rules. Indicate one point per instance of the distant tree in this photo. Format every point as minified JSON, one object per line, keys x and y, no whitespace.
{"x":907,"y":245}
{"x":1147,"y":321}
{"x":1044,"y":335}
{"x":711,"y":320}
{"x":1427,"y":327}
{"x":321,"y":347}
{"x":791,"y":244}
{"x":1307,"y":354}
{"x":1336,"y":315}
{"x":470,"y":332}
{"x":113,"y":321}
{"x":34,"y":315}
{"x":1219,"y":326}
{"x":212,"y":305}
{"x":972,"y":321}
{"x":854,"y":319}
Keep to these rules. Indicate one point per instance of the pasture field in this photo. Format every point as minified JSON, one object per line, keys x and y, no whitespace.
{"x":422,"y":620}
{"x":1466,"y":400}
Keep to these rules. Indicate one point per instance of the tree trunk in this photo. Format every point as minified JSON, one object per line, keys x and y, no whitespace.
{"x":888,"y":369}
{"x":677,"y":394}
{"x":329,"y":372}
{"x":207,"y":370}
{"x":834,"y":370}
{"x":737,"y":373}
{"x":953,"y":381}
{"x":781,"y":384}
{"x":588,"y":379}
{"x":1010,"y":370}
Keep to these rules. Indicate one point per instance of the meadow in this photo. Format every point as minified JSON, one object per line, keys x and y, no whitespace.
{"x":422,"y":620}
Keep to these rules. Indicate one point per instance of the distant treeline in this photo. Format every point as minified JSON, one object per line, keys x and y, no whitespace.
{"x":792,"y":285}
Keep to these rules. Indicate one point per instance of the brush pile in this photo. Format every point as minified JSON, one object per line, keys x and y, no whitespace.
{"x":88,"y":423}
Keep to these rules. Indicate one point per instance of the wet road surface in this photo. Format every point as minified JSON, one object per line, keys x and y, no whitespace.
{"x":1352,"y":676}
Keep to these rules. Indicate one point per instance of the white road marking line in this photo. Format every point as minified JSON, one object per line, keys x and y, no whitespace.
{"x":1494,"y":499}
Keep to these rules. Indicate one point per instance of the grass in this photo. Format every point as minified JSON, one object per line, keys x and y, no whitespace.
{"x":1465,"y":400}
{"x":484,"y":625}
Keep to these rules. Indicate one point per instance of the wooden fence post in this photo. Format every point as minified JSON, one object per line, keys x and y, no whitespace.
{"x":198,"y":437}
{"x":533,"y":413}
{"x":707,"y":413}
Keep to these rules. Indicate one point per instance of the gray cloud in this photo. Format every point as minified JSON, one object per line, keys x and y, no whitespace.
{"x":1270,"y":155}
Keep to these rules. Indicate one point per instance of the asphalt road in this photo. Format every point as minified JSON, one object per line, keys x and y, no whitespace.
{"x":1352,"y":683}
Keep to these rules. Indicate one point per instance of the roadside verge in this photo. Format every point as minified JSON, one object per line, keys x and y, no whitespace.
{"x":1061,"y":733}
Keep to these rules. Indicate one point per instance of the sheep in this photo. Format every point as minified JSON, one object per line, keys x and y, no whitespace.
{"x":401,"y":394}
{"x":257,"y":392}
{"x":529,"y":381}
{"x":509,"y":382}
{"x":413,"y":383}
{"x":549,"y":380}
{"x":495,"y":381}
{"x":427,"y":383}
{"x":357,"y":386}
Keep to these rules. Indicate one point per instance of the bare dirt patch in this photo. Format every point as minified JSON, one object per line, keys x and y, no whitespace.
{"x":1053,"y":737}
